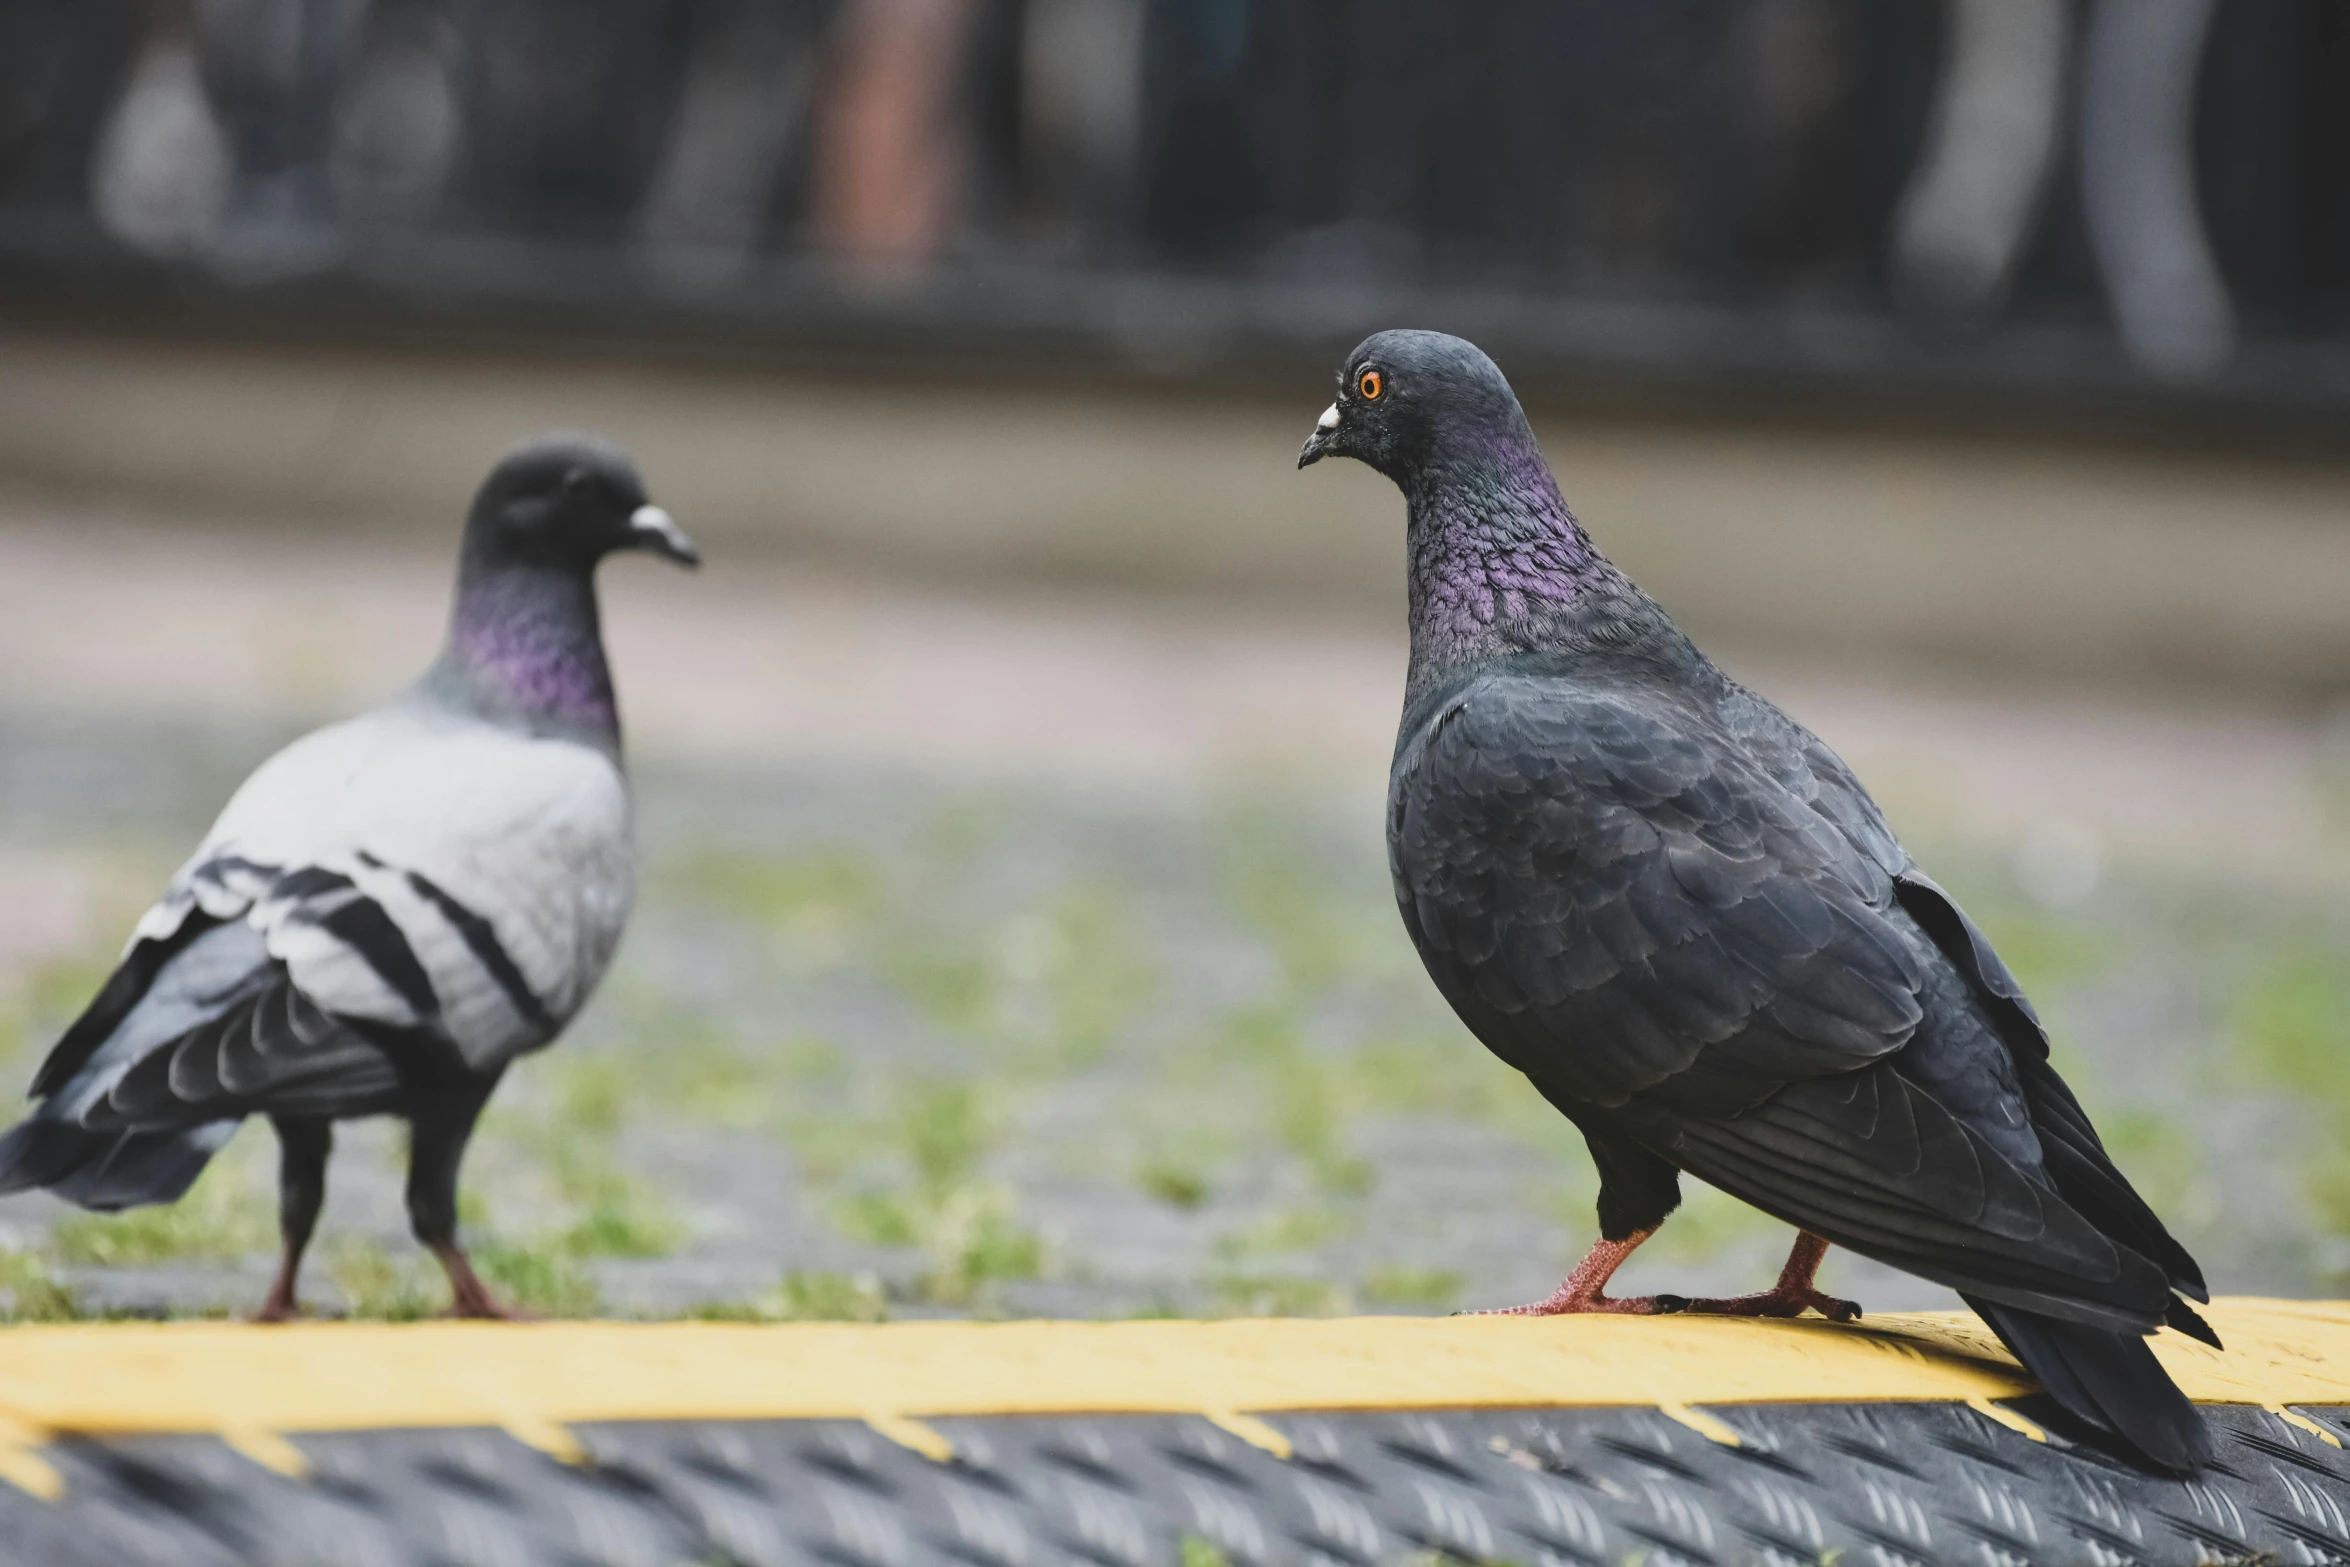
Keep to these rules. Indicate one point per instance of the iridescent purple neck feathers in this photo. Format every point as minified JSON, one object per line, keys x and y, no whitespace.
{"x":525,"y":645}
{"x":1496,"y":557}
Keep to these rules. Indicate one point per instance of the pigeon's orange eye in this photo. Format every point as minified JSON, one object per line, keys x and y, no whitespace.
{"x":1370,"y":384}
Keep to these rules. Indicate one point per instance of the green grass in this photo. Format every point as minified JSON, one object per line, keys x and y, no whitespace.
{"x":805,"y":1297}
{"x":913,"y":1016}
{"x":716,"y":1078}
{"x":1307,"y":1099}
{"x":1449,"y":1074}
{"x":2292,"y":1024}
{"x":967,"y":1228}
{"x":970,"y":1236}
{"x":1707,"y":1223}
{"x":568,"y":1143}
{"x":1275,"y":1295}
{"x":1287,"y":1231}
{"x":818,"y":908}
{"x":1047,"y":989}
{"x":1431,"y":1289}
{"x":2162,"y":1159}
{"x":543,"y":1277}
{"x":622,"y":1221}
{"x":29,"y":1294}
{"x":223,"y":1217}
{"x":1320,"y":934}
{"x":379,"y":1287}
{"x":1181,"y":1177}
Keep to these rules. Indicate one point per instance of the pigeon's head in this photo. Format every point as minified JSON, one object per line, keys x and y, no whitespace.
{"x":568,"y":500}
{"x":1407,"y":400}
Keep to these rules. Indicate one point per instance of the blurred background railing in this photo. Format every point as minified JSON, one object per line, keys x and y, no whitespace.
{"x":2027,"y":203}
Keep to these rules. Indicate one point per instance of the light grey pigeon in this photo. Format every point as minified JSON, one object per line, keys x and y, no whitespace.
{"x":391,"y":909}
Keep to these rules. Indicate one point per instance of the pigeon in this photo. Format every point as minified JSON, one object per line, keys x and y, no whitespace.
{"x":1687,"y":923}
{"x":391,"y":909}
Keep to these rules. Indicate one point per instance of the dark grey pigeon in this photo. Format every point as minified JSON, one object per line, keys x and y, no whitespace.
{"x":1681,"y":916}
{"x":390,"y":910}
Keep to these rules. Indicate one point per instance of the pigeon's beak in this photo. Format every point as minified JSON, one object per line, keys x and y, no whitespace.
{"x":1320,"y":444}
{"x":651,"y":528}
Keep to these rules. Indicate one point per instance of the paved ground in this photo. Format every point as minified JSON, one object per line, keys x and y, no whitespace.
{"x":2025,"y":548}
{"x":1006,"y":952}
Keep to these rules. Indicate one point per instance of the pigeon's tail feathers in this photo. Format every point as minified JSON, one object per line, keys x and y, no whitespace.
{"x":2187,"y":1320}
{"x":124,"y":989}
{"x":2109,"y":1379}
{"x":107,"y":1169}
{"x":41,"y":1151}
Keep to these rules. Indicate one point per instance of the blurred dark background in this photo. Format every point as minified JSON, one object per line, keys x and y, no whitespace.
{"x":2022,"y":201}
{"x":1972,"y":376}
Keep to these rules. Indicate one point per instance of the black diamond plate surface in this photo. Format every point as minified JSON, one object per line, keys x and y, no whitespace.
{"x":1878,"y":1485}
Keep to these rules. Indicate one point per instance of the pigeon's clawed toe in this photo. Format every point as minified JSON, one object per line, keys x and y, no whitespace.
{"x":390,"y":911}
{"x":1682,"y":917}
{"x":1776,"y":1303}
{"x":470,"y":1299}
{"x":1584,"y":1292}
{"x":1792,"y":1296}
{"x":1590,"y":1306}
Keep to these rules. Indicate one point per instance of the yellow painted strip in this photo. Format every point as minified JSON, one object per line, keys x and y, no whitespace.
{"x":930,"y":1442}
{"x":267,"y":1449}
{"x":549,"y":1438}
{"x":203,"y":1376}
{"x":1252,"y":1431}
{"x":1702,"y":1423}
{"x":2006,"y":1417}
{"x":29,"y":1472}
{"x":2296,"y":1418}
{"x":21,"y":1465}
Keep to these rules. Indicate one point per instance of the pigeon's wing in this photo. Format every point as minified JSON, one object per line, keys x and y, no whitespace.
{"x":1877,"y":1161}
{"x":1623,"y":902}
{"x":2074,"y":1156}
{"x":416,"y":869}
{"x":221,"y":1031}
{"x":406,"y":876}
{"x":1631,"y":907}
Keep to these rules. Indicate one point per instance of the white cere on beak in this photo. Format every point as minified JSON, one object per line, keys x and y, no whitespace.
{"x":651,"y":522}
{"x":1329,"y":419}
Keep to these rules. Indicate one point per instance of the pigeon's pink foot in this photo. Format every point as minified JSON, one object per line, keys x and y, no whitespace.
{"x":1567,"y":1304}
{"x":281,"y":1304}
{"x":488,"y":1310}
{"x":469,"y":1298}
{"x":1791,"y":1296}
{"x":1778,"y":1303}
{"x":1585,"y":1290}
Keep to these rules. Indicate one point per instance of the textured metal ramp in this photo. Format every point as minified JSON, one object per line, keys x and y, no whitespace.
{"x":1665,"y":1441}
{"x":1883,"y":1484}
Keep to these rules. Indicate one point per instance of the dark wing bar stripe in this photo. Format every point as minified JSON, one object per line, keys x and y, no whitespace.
{"x":482,"y":941}
{"x":360,"y":923}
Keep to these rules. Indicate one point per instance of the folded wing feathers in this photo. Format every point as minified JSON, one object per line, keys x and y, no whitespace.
{"x":1725,"y":952}
{"x":397,"y":873}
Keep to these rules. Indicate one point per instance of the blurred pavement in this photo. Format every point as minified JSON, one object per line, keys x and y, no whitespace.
{"x":1085,"y":890}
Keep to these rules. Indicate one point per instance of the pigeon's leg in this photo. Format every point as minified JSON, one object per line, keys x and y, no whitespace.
{"x":439,"y":1132}
{"x":1791,"y":1294}
{"x":303,"y":1144}
{"x":1585,"y":1289}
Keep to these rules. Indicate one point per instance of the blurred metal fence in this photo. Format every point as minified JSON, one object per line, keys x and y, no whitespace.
{"x":2137,"y":199}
